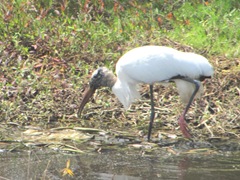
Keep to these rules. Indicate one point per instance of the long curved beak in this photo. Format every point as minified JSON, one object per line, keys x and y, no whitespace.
{"x":86,"y":96}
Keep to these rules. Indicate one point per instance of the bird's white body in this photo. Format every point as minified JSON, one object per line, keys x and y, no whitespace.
{"x":149,"y":65}
{"x":154,"y":64}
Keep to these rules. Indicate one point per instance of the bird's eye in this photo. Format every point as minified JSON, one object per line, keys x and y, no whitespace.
{"x":97,"y":74}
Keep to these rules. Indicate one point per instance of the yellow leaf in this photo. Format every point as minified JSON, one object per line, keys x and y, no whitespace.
{"x":67,"y":170}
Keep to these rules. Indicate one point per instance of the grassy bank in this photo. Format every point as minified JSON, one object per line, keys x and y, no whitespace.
{"x":48,"y":50}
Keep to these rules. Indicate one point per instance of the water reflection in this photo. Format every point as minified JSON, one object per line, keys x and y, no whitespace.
{"x":105,"y":176}
{"x":119,"y":166}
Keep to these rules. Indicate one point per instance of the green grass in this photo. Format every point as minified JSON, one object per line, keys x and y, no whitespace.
{"x":48,"y":49}
{"x":94,"y":29}
{"x":213,"y":27}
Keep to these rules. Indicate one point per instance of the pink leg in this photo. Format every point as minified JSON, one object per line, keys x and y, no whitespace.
{"x":181,"y":121}
{"x":183,"y":126}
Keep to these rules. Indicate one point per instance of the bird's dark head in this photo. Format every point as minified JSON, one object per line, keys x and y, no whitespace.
{"x":100,"y":77}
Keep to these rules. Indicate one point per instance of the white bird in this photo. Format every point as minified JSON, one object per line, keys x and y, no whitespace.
{"x":149,"y":65}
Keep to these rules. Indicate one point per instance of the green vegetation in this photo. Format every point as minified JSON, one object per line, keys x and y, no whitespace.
{"x":48,"y":49}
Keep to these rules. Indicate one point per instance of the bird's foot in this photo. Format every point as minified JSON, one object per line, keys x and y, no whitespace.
{"x":183,"y":126}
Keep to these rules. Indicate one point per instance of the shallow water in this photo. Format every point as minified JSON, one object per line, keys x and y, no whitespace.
{"x":119,"y":166}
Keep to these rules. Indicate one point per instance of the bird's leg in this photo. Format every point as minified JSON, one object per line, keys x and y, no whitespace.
{"x":152,"y":113}
{"x":181,"y":121}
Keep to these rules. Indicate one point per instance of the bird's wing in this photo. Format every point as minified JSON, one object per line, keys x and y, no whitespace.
{"x":150,"y":64}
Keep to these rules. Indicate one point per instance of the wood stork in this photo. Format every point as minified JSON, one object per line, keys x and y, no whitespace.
{"x":149,"y":65}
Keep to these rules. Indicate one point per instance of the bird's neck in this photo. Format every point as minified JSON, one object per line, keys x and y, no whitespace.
{"x":110,"y":80}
